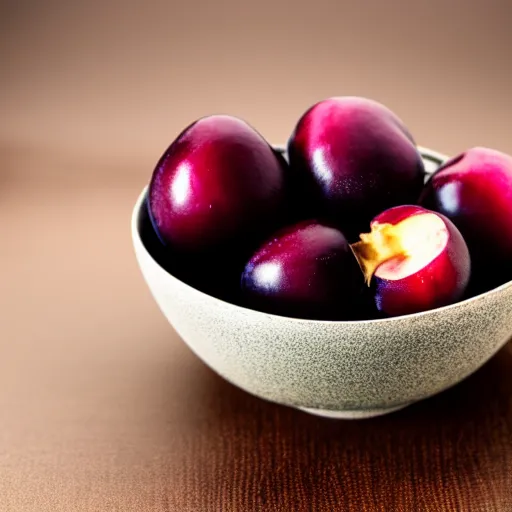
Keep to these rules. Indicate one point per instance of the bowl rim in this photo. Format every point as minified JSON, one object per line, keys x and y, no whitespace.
{"x":426,"y":153}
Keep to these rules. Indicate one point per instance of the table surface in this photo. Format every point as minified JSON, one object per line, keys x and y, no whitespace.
{"x":102,"y":407}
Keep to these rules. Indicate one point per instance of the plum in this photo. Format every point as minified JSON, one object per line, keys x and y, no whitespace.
{"x":354,"y":158}
{"x":218,"y":182}
{"x":414,"y":259}
{"x":474,"y":190}
{"x":306,"y":270}
{"x":215,"y":194}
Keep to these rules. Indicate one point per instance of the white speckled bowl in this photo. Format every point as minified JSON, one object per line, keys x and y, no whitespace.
{"x":338,"y":369}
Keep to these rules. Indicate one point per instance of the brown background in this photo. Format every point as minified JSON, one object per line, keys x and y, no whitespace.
{"x":102,"y":407}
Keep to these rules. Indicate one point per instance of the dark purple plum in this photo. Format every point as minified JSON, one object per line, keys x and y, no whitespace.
{"x":474,"y":190}
{"x":218,"y":182}
{"x":215,"y":194}
{"x":306,"y":270}
{"x":354,"y":158}
{"x":414,"y":260}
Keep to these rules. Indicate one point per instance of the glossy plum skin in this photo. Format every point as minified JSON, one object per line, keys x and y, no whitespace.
{"x":441,"y":282}
{"x":218,"y":182}
{"x":474,"y":190}
{"x":306,"y":270}
{"x":355,"y":158}
{"x":216,"y":193}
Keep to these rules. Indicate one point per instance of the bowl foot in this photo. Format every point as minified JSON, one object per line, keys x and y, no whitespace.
{"x":352,"y":415}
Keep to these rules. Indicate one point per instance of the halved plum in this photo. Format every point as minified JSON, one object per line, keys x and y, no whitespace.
{"x":414,"y":260}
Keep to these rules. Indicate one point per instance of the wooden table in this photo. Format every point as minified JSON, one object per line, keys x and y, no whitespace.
{"x":104,"y":408}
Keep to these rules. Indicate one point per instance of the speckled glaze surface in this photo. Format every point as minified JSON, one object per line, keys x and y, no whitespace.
{"x":335,"y":369}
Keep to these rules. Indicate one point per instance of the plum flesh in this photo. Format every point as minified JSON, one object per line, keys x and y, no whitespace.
{"x":414,"y":259}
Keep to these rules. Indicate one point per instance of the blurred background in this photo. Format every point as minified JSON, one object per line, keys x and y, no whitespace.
{"x":92,"y":379}
{"x":97,"y":85}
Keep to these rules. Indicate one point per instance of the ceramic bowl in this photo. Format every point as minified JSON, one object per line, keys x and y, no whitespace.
{"x":341,"y":369}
